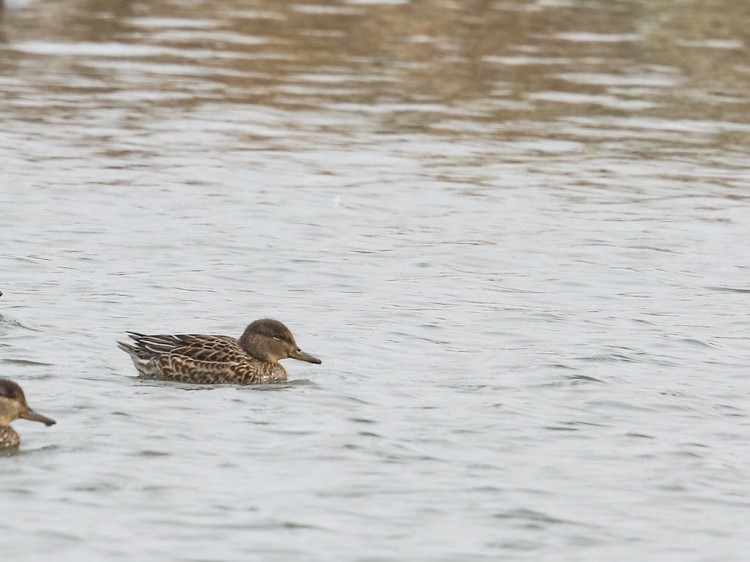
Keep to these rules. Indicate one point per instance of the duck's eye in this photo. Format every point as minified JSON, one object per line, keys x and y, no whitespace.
{"x":278,"y":337}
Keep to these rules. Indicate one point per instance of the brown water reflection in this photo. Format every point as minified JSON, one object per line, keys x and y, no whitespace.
{"x":423,"y":63}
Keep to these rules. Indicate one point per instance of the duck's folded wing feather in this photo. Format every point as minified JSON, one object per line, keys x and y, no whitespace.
{"x":198,"y":347}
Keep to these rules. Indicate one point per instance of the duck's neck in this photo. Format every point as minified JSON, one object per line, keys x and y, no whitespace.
{"x":246,"y":342}
{"x":251,"y":345}
{"x":8,"y":437}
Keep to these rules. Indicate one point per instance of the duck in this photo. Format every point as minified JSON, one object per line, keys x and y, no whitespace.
{"x":13,"y":406}
{"x":207,"y":359}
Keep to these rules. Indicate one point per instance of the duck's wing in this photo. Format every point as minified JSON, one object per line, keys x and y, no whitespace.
{"x":220,"y":349}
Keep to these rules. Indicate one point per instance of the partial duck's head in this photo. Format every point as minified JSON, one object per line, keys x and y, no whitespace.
{"x":13,"y":405}
{"x":270,"y":341}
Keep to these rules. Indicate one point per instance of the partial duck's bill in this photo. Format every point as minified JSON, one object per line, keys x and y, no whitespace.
{"x":30,"y":414}
{"x":302,"y":356}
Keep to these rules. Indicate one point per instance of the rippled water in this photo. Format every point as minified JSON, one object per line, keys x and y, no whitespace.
{"x":515,"y":232}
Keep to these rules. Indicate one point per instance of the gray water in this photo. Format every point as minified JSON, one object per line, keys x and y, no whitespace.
{"x":515,"y":233}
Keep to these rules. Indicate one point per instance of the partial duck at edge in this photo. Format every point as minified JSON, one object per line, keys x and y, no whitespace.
{"x":13,"y":406}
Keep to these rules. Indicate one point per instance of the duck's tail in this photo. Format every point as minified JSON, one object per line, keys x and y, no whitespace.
{"x":129,"y":349}
{"x":142,"y":359}
{"x":137,"y":351}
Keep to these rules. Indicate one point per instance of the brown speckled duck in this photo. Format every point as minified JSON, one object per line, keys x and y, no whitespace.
{"x":251,"y":359}
{"x":13,"y":406}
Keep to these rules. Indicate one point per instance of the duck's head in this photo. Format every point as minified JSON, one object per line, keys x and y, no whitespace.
{"x":13,"y":405}
{"x":270,"y":341}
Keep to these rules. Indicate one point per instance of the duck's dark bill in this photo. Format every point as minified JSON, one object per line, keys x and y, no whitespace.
{"x":302,"y":356}
{"x":33,"y":416}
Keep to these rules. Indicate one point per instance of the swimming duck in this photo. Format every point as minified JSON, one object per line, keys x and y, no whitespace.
{"x":13,"y":406}
{"x":251,"y":359}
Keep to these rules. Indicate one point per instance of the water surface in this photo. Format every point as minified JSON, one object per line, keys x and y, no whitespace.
{"x":514,"y":232}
